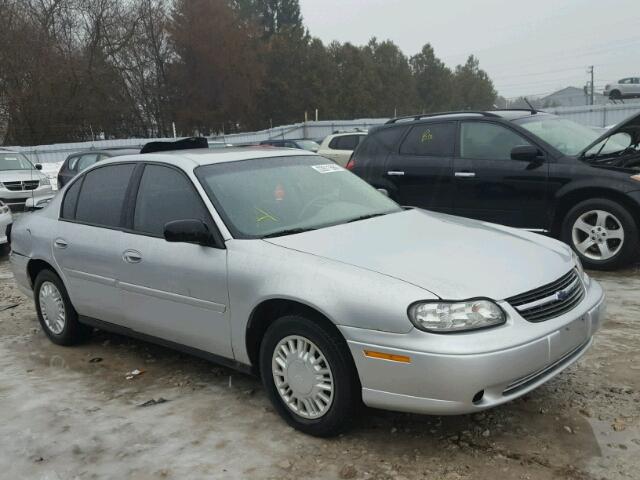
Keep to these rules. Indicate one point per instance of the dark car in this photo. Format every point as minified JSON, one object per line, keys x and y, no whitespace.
{"x":520,"y":168}
{"x":77,"y":162}
{"x":309,"y":145}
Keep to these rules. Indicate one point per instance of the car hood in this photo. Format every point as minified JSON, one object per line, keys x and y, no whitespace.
{"x":454,"y":258}
{"x":631,"y":126}
{"x":19,"y":175}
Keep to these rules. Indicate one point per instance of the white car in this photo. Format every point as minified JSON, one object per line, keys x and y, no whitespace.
{"x":5,"y":220}
{"x":339,"y":146}
{"x":623,"y":88}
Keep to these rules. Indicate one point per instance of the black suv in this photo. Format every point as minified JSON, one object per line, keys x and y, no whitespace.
{"x":77,"y":162}
{"x":522,"y":168}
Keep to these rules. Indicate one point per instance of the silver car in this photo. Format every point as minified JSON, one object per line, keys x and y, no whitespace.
{"x":22,"y":185}
{"x":284,"y":264}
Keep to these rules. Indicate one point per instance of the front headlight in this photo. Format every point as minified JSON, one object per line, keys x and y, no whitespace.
{"x":45,"y":181}
{"x":446,"y":317}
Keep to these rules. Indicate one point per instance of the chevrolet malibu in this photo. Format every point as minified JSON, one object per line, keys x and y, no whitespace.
{"x":284,"y":264}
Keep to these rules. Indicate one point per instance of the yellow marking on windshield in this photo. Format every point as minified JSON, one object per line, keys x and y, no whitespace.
{"x":265,"y":216}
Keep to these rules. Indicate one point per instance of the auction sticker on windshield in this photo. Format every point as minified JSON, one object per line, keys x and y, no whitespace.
{"x":327,"y":168}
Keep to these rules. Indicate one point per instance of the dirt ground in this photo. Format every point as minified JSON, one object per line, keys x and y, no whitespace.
{"x":71,"y":413}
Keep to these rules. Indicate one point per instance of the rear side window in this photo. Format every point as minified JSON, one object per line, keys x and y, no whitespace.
{"x":165,"y":195}
{"x":103,"y":194}
{"x":70,"y":201}
{"x":86,"y":161}
{"x":345,"y":142}
{"x":430,"y":139}
{"x":73,"y":161}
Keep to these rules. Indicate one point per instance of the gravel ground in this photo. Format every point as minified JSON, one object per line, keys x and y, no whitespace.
{"x":71,"y":413}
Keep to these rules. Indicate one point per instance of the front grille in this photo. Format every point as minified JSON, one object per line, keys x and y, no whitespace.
{"x":20,"y":186}
{"x":551,"y":300}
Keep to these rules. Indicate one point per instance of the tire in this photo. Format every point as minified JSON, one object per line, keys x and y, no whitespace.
{"x":599,"y":233}
{"x":615,"y":95}
{"x":46,"y":287}
{"x":346,"y":394}
{"x":4,"y":249}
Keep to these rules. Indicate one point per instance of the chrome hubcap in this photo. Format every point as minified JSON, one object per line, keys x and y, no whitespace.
{"x":302,"y":376}
{"x":598,"y":235}
{"x":52,"y":307}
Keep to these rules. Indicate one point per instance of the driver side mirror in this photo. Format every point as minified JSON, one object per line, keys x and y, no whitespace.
{"x":525,"y":153}
{"x":38,"y":166}
{"x":189,"y":231}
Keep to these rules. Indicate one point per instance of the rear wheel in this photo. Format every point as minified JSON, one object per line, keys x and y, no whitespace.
{"x":56,"y":314}
{"x":615,"y":95}
{"x":309,"y":375}
{"x":602,"y":232}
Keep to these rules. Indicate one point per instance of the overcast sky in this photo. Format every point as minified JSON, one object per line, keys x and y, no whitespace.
{"x":528,"y":47}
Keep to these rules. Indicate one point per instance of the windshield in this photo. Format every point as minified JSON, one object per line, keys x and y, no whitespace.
{"x":308,"y":145}
{"x":280,"y":195}
{"x":14,"y":161}
{"x":567,"y":136}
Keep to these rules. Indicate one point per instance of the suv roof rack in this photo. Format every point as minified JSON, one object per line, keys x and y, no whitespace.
{"x":439,"y":114}
{"x":183,"y":144}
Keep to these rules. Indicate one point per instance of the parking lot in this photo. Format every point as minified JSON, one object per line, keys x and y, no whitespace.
{"x":81,"y":413}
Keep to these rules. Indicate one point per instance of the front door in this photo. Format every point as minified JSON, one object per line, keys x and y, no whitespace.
{"x":174,"y":291}
{"x":421,"y":170}
{"x":490,"y":186}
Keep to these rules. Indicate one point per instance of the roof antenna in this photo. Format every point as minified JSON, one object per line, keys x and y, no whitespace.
{"x":533,"y":110}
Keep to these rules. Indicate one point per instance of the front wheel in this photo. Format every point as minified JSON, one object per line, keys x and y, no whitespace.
{"x":309,"y":375}
{"x":602,"y":232}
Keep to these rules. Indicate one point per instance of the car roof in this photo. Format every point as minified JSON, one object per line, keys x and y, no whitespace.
{"x":205,"y":156}
{"x":507,"y":114}
{"x":112,"y":152}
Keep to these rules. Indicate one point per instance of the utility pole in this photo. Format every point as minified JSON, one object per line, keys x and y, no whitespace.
{"x":590,"y":71}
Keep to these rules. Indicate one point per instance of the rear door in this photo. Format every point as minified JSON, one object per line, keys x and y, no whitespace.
{"x":420,"y":171}
{"x":490,"y":186}
{"x":88,"y":243}
{"x":175,"y":291}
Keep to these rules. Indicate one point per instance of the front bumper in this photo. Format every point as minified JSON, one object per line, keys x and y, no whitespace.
{"x":458,"y":383}
{"x":19,"y":200}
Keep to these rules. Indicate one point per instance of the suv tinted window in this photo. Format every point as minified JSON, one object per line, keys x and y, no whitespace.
{"x":102,"y":195}
{"x":165,"y":195}
{"x":432,"y":139}
{"x":488,"y":141}
{"x":70,"y":201}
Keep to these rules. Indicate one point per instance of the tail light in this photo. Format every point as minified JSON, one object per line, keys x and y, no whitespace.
{"x":351,"y":164}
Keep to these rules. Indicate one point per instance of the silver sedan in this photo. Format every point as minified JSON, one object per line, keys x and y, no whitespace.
{"x":284,"y":264}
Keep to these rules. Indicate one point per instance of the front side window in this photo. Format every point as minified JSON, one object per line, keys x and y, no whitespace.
{"x":14,"y":161}
{"x":165,"y":195}
{"x":273,"y":196}
{"x":430,"y":139}
{"x":488,"y":141}
{"x":102,"y":195}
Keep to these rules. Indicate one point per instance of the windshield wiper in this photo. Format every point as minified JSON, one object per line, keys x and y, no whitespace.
{"x":290,"y":231}
{"x":364,"y":217}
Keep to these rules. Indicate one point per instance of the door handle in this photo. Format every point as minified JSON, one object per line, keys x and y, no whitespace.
{"x":132,"y":256}
{"x":395,"y":173}
{"x":465,"y":174}
{"x":60,"y":243}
